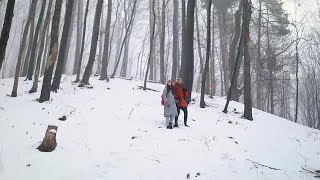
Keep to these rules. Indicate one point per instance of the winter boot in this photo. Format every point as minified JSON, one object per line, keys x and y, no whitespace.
{"x":169,"y":126}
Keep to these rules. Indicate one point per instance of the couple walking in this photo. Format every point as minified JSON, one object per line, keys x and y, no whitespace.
{"x":174,"y":100}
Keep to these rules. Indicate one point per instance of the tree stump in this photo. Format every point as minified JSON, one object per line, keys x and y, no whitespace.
{"x":49,"y":142}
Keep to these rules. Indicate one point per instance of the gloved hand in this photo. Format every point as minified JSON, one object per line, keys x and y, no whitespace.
{"x":167,"y":104}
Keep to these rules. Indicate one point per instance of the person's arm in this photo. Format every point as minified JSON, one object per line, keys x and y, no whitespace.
{"x":164,"y":95}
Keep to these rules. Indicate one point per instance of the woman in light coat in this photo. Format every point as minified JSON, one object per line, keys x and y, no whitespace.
{"x":170,"y":109}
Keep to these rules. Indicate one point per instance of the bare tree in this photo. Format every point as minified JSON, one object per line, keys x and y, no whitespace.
{"x":62,"y":49}
{"x":44,"y":29}
{"x":94,"y":40}
{"x":247,"y":76}
{"x":175,"y":39}
{"x":46,"y":86}
{"x":35,"y":40}
{"x":82,"y":41}
{"x":79,"y":35}
{"x":206,"y":66}
{"x":23,"y":45}
{"x":162,"y":41}
{"x":151,"y":46}
{"x":125,"y":37}
{"x":5,"y":32}
{"x":188,"y":69}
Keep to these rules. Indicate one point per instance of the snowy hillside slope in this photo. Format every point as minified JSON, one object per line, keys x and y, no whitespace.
{"x":119,"y":134}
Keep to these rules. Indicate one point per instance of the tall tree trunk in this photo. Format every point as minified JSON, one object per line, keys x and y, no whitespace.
{"x":297,"y":82}
{"x":106,"y":44}
{"x":101,"y":37}
{"x":212,"y":66}
{"x":46,"y":86}
{"x":183,"y":30}
{"x":175,"y":39}
{"x":23,"y":46}
{"x":42,"y":41}
{"x":224,"y":47}
{"x":94,"y":39}
{"x":62,"y":49}
{"x":5,"y":32}
{"x":247,"y":76}
{"x":162,"y":40}
{"x":258,"y":63}
{"x":79,"y":35}
{"x":29,"y":45}
{"x":82,"y":41}
{"x":125,"y":37}
{"x":70,"y":33}
{"x":206,"y":66}
{"x":46,"y":49}
{"x":188,"y":70}
{"x":151,"y":20}
{"x":235,"y":91}
{"x":151,"y":45}
{"x":35,"y":40}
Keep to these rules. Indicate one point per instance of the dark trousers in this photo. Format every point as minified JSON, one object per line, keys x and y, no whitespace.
{"x":185,"y":112}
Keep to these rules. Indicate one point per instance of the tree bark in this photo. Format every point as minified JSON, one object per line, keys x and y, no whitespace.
{"x":5,"y":32}
{"x":212,"y":66}
{"x":162,"y":41}
{"x":151,"y":46}
{"x":151,"y":20}
{"x":94,"y":39}
{"x":35,"y":40}
{"x":188,"y":69}
{"x":206,"y":66}
{"x":258,"y":63}
{"x":49,"y":142}
{"x":247,"y":66}
{"x":183,"y":29}
{"x":23,"y":46}
{"x":42,"y":41}
{"x":106,"y":52}
{"x":62,"y":49}
{"x":79,"y":35}
{"x":175,"y":40}
{"x":30,"y":44}
{"x":82,"y":41}
{"x":46,"y":86}
{"x":235,"y":91}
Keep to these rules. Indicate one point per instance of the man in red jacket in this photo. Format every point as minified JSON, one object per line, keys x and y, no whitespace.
{"x":180,"y":94}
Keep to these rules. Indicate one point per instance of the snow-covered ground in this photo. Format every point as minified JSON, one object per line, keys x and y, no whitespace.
{"x":119,"y":134}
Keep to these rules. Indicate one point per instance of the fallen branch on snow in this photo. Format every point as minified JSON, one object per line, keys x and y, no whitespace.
{"x":317,"y":172}
{"x":141,"y":87}
{"x":256,"y":163}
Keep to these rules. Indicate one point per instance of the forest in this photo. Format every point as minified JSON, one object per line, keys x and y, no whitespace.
{"x":263,"y":53}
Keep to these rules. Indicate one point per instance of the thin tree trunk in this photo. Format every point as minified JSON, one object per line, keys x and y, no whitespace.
{"x":70,"y":33}
{"x":212,"y":66}
{"x":188,"y":70}
{"x":297,"y":82}
{"x":183,"y":24}
{"x":23,"y":46}
{"x":94,"y":39}
{"x":258,"y":63}
{"x":30,"y":44}
{"x":151,"y":20}
{"x":102,"y":32}
{"x":46,"y":50}
{"x":162,"y":41}
{"x":206,"y":66}
{"x":82,"y":41}
{"x":79,"y":35}
{"x":42,"y":41}
{"x":235,"y":92}
{"x":151,"y":46}
{"x":106,"y":52}
{"x":125,"y":37}
{"x":46,"y":86}
{"x":247,"y":76}
{"x":35,"y":40}
{"x":62,"y":49}
{"x":175,"y":40}
{"x":5,"y":32}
